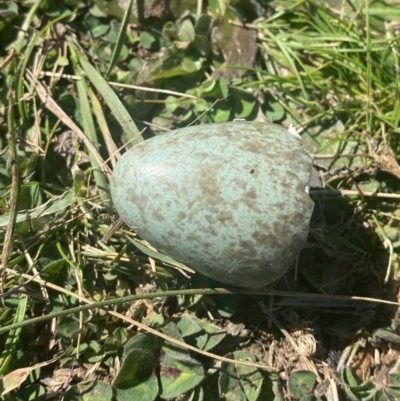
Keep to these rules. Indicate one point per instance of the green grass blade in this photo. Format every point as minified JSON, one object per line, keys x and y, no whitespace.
{"x":117,"y":108}
{"x":90,"y":131}
{"x":157,"y":255}
{"x":13,"y":336}
{"x":55,"y":205}
{"x":120,"y":40}
{"x":103,"y":125}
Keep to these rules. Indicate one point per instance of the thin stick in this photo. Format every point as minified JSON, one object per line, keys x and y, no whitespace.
{"x":121,"y":85}
{"x":349,"y":192}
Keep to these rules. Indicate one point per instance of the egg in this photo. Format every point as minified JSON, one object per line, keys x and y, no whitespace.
{"x":228,"y":200}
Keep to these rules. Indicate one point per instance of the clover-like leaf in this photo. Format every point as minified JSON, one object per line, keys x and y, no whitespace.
{"x":240,"y":382}
{"x":137,"y":379}
{"x":89,"y":391}
{"x":301,"y":383}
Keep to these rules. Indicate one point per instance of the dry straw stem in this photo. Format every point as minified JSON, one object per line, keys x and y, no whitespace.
{"x":52,"y":106}
{"x":122,"y":85}
{"x":349,"y":192}
{"x":127,"y":319}
{"x":92,"y":305}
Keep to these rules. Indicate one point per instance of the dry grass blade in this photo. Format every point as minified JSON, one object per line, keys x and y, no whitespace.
{"x":137,"y":324}
{"x":88,"y":124}
{"x":52,"y":106}
{"x":15,"y":187}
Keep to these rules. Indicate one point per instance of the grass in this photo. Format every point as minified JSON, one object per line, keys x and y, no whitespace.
{"x":81,"y":315}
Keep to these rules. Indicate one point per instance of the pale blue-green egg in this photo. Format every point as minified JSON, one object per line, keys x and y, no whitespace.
{"x":228,"y":200}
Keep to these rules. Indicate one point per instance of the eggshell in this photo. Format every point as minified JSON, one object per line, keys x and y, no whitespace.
{"x":228,"y":200}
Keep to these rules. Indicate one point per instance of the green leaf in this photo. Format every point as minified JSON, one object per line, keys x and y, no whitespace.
{"x":239,"y":382}
{"x":172,"y":103}
{"x":301,"y":383}
{"x":67,"y":328}
{"x":364,"y":391}
{"x":91,"y":133}
{"x":117,"y":108}
{"x":149,"y":40}
{"x":394,"y":379}
{"x":55,"y":205}
{"x":89,"y":391}
{"x":226,"y":306}
{"x":120,"y":334}
{"x":147,"y":343}
{"x":121,"y":38}
{"x":136,"y":380}
{"x":8,"y":11}
{"x":197,"y":394}
{"x":34,"y":392}
{"x":385,"y":394}
{"x":217,"y":7}
{"x":348,"y":378}
{"x":11,"y":342}
{"x":244,"y":102}
{"x":157,"y":255}
{"x":186,"y":31}
{"x":198,"y":333}
{"x":203,"y":25}
{"x":179,"y":373}
{"x":50,"y":269}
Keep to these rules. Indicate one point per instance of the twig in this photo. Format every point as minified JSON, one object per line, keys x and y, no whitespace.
{"x":92,"y":305}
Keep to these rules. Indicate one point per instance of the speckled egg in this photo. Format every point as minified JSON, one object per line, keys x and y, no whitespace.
{"x":228,"y":200}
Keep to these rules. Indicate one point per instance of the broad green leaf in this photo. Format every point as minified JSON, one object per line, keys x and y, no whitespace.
{"x":217,"y":7}
{"x":301,"y":383}
{"x":203,"y":25}
{"x":121,"y":335}
{"x":198,"y":333}
{"x":394,"y":378}
{"x":30,"y":196}
{"x":50,"y":269}
{"x":226,"y":306}
{"x":244,"y":102}
{"x":136,"y":380}
{"x":147,"y":343}
{"x":149,"y":40}
{"x":385,"y":394}
{"x":172,"y":103}
{"x":197,"y":394}
{"x":67,"y":328}
{"x":179,"y":373}
{"x":239,"y":382}
{"x":89,"y":391}
{"x":7,"y":13}
{"x":186,"y":31}
{"x":33,"y":392}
